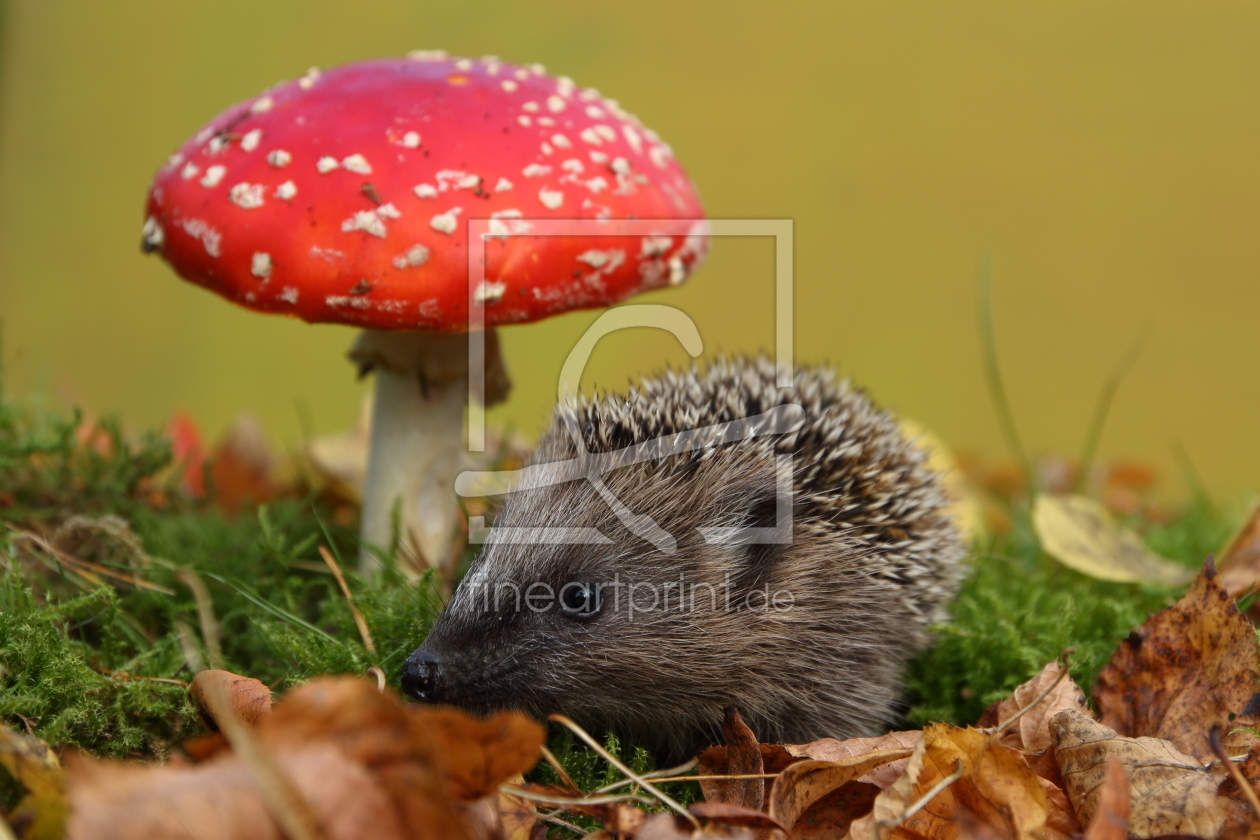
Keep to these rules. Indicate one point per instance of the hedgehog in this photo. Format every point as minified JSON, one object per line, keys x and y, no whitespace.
{"x":707,"y":540}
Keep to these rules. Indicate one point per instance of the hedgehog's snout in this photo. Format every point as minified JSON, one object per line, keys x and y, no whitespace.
{"x":421,"y":677}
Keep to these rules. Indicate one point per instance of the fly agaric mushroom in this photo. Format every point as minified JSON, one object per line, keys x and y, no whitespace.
{"x":344,"y":197}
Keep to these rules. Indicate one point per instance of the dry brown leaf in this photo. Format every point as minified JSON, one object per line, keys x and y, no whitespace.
{"x":1080,"y":533}
{"x":804,"y":783}
{"x":743,"y":758}
{"x":1189,"y":667}
{"x":831,"y":749}
{"x":674,"y":827}
{"x":365,"y":763}
{"x":1111,"y":822}
{"x":1240,"y":560}
{"x":1061,"y":821}
{"x":1031,"y":732}
{"x":830,"y":817}
{"x":996,"y":785}
{"x":41,"y":813}
{"x":250,"y":699}
{"x":481,"y":754}
{"x":1170,"y":792}
{"x":517,"y":816}
{"x":220,"y":801}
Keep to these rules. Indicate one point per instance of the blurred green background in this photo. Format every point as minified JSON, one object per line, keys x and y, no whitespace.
{"x":1105,"y":154}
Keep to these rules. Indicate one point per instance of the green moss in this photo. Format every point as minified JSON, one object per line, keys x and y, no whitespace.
{"x":1019,"y":609}
{"x":79,"y":656}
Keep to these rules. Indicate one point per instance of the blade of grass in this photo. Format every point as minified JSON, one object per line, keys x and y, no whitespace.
{"x":1103,"y":407}
{"x":993,"y":374}
{"x":246,"y":593}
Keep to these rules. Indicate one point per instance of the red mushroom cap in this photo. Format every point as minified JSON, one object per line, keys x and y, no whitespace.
{"x":343,"y":197}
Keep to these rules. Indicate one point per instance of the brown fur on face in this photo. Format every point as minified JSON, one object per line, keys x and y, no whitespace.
{"x":872,"y":561}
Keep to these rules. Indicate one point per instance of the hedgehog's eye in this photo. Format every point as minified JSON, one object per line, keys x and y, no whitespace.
{"x":580,"y":600}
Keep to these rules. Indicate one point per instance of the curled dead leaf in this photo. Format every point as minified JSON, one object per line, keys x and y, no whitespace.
{"x":1032,"y":731}
{"x":1188,"y":668}
{"x":249,"y":699}
{"x":1170,"y":792}
{"x":1111,"y":822}
{"x":743,"y":758}
{"x":1080,"y":533}
{"x":41,"y":813}
{"x":995,"y":784}
{"x":831,"y":749}
{"x":805,"y":782}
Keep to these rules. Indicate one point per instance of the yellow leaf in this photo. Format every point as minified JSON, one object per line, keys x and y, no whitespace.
{"x":1080,"y":534}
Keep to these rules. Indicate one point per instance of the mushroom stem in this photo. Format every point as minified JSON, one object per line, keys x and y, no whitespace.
{"x":414,"y":447}
{"x":413,"y":456}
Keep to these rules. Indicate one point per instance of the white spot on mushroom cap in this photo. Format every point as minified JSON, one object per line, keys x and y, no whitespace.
{"x":522,"y":74}
{"x":368,"y":221}
{"x":597,"y":184}
{"x":565,"y":86}
{"x":524,"y":121}
{"x":620,"y":165}
{"x":279,"y":158}
{"x":329,"y":255}
{"x":213,"y":176}
{"x":174,"y":160}
{"x":537,"y":69}
{"x":551,"y":199}
{"x":654,"y":247}
{"x":633,"y":138}
{"x":503,"y":185}
{"x":446,"y":222}
{"x":152,"y":232}
{"x":589,"y":135}
{"x":260,"y":265}
{"x":677,"y":271}
{"x":546,"y":148}
{"x":289,"y":294}
{"x":190,"y":171}
{"x":210,"y":238}
{"x":425,"y":190}
{"x":217,"y":144}
{"x":262,"y":105}
{"x":427,"y":55}
{"x":308,"y":81}
{"x":532,"y":107}
{"x":572,"y":165}
{"x":598,"y":157}
{"x":546,"y":122}
{"x":463,"y":65}
{"x":411,"y":140}
{"x":509,"y":85}
{"x":659,"y":156}
{"x":536,"y":170}
{"x":246,"y":196}
{"x":507,"y":222}
{"x":606,"y":132}
{"x":286,"y":190}
{"x":415,"y":256}
{"x":555,"y":104}
{"x":595,"y":259}
{"x":561,"y":142}
{"x":352,"y":301}
{"x":251,"y":139}
{"x":326,"y":164}
{"x":357,"y":163}
{"x":203,"y":135}
{"x":594,"y":112}
{"x":388,"y":211}
{"x":489,"y":292}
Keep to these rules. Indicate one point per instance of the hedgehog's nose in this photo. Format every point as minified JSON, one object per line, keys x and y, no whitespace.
{"x":420,"y":676}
